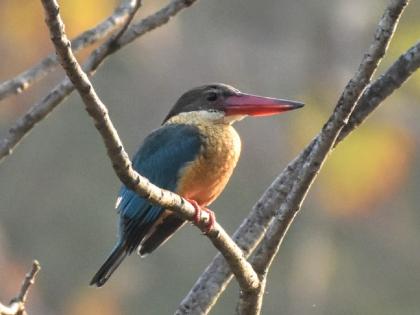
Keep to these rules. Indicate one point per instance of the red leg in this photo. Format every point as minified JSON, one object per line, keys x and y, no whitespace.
{"x":212,"y":220}
{"x":197,"y":215}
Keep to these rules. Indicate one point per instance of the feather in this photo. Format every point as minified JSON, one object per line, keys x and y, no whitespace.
{"x":161,"y":158}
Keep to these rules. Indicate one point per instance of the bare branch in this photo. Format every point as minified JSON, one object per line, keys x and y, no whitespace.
{"x":384,"y":86}
{"x":41,"y":109}
{"x":122,"y":164}
{"x":153,"y":21}
{"x":250,"y":302}
{"x":17,"y":305}
{"x":322,"y":146}
{"x":325,"y":140}
{"x":25,"y":79}
{"x":130,"y":17}
{"x":216,"y":276}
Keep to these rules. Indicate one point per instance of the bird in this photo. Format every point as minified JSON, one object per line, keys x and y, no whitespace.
{"x":193,"y":153}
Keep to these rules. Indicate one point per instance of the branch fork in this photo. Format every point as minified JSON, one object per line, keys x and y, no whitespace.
{"x":17,"y":305}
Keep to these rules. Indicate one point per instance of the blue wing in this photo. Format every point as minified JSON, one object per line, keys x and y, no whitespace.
{"x":160,"y":158}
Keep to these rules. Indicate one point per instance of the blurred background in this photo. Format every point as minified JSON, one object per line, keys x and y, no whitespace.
{"x":354,"y":248}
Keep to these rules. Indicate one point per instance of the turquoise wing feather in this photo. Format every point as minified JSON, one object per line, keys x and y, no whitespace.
{"x":160,"y":158}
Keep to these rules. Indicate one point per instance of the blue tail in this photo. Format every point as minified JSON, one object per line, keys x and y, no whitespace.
{"x":113,"y":261}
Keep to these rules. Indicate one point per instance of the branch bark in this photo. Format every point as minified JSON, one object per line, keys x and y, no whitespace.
{"x":243,"y":271}
{"x":41,"y":109}
{"x":32,"y":75}
{"x":384,"y":86}
{"x":17,"y":305}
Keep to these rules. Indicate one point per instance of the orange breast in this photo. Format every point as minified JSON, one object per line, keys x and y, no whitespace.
{"x":205,"y":178}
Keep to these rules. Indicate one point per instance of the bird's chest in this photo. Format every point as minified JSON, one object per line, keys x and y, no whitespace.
{"x":205,"y":178}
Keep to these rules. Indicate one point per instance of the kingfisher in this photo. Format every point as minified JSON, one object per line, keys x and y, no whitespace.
{"x":193,"y":154}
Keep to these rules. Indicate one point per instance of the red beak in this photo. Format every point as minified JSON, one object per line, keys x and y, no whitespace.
{"x":253,"y":105}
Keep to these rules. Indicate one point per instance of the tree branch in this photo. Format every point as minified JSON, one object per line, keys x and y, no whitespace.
{"x":121,"y":163}
{"x":384,"y":86}
{"x":323,"y":144}
{"x":17,"y":305}
{"x":41,"y":109}
{"x":326,"y":138}
{"x":25,"y":79}
{"x":215,"y":278}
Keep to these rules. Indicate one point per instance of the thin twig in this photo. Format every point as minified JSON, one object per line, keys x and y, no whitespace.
{"x":121,"y":163}
{"x":130,"y":17}
{"x":41,"y":109}
{"x":25,"y":79}
{"x":17,"y":305}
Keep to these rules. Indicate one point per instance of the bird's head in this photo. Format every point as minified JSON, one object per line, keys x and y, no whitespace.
{"x":221,"y":103}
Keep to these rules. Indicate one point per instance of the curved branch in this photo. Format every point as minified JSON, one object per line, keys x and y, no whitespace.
{"x":17,"y":305}
{"x":243,"y":271}
{"x":41,"y":109}
{"x":25,"y":79}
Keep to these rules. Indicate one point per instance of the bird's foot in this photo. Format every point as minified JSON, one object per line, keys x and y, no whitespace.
{"x":197,"y":216}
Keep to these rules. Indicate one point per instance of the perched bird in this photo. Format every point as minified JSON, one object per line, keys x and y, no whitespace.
{"x":193,"y":154}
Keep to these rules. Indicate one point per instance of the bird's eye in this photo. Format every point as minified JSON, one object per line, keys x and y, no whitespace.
{"x":212,"y":96}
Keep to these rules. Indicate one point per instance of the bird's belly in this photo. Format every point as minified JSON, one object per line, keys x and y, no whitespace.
{"x":204,"y":183}
{"x":205,"y":178}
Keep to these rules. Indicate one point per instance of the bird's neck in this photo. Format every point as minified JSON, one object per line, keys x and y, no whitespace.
{"x":204,"y":118}
{"x":197,"y":118}
{"x":219,"y":136}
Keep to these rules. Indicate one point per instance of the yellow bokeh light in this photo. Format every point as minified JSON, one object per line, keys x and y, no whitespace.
{"x":365,"y":170}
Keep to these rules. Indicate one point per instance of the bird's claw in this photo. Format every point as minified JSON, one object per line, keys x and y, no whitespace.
{"x":197,"y":216}
{"x":211,"y":222}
